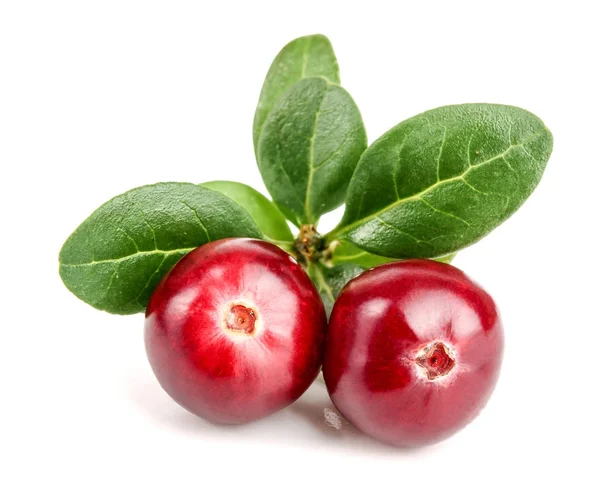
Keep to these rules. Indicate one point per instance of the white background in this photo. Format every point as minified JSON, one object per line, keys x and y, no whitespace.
{"x":100,"y":97}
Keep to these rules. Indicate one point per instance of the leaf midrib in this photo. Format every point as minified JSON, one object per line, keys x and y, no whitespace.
{"x":311,"y":158}
{"x":305,"y":54}
{"x":129,"y":256}
{"x":418,"y":196}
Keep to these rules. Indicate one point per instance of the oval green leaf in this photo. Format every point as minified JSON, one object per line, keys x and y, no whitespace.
{"x":309,"y":148}
{"x":442,"y":180}
{"x":448,"y":258}
{"x":265,"y":213}
{"x":347,"y":253}
{"x":309,"y":56}
{"x":116,"y":257}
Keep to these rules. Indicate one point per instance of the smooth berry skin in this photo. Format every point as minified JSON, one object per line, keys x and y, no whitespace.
{"x":235,"y":331}
{"x":413,"y":352}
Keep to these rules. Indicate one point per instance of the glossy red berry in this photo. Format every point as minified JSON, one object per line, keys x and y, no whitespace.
{"x":413,"y":351}
{"x":234,"y":332}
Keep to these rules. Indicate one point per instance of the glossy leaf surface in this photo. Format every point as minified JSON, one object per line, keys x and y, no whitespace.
{"x":442,"y":180}
{"x":116,"y":257}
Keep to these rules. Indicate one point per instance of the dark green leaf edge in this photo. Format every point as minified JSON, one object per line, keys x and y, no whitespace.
{"x":305,"y":213}
{"x":84,"y":273}
{"x":318,"y":60}
{"x":344,"y":230}
{"x":265,"y":213}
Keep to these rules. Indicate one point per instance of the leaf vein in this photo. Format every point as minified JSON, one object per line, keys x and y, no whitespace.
{"x":129,"y":256}
{"x":112,"y":277}
{"x":440,"y":153}
{"x":375,"y":215}
{"x":397,"y":168}
{"x":469,"y":148}
{"x":510,"y":167}
{"x":285,"y":172}
{"x":311,"y":159}
{"x":488,"y":193}
{"x":332,"y":155}
{"x":149,"y":225}
{"x":307,"y":47}
{"x":199,"y":220}
{"x":528,"y":153}
{"x":399,"y":230}
{"x":136,"y":300}
{"x":445,"y":212}
{"x":128,"y":236}
{"x":476,"y":190}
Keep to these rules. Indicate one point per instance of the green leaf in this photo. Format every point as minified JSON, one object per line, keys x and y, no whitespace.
{"x":116,"y":257}
{"x":448,"y":258}
{"x":309,"y":148}
{"x":265,"y":213}
{"x":330,"y":281}
{"x":442,"y":180}
{"x":310,"y":56}
{"x":346,"y":252}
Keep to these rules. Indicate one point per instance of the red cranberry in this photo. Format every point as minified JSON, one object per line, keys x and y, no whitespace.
{"x":234,"y":332}
{"x":413,"y":352}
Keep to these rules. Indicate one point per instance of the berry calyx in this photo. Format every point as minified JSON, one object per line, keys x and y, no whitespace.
{"x":436,"y":360}
{"x":241,"y":318}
